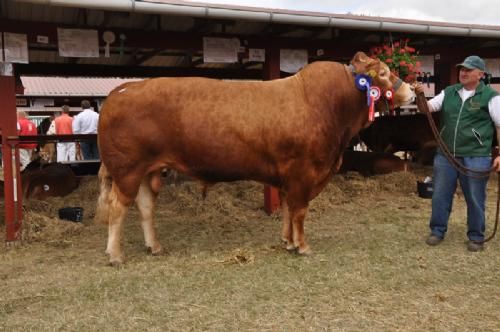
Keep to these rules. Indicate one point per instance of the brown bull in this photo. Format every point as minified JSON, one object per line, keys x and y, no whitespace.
{"x":289,"y":133}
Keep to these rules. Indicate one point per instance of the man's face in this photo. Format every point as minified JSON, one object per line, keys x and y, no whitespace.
{"x":470,"y":77}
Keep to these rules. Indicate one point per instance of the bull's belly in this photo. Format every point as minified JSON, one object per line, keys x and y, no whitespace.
{"x":214,"y":175}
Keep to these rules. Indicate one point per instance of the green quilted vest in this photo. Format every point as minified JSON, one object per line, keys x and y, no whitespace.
{"x":467,"y":128}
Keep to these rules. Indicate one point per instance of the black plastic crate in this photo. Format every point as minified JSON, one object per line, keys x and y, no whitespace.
{"x":71,"y":213}
{"x":425,"y":189}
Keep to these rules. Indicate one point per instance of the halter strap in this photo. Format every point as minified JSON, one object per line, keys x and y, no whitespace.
{"x":395,"y":87}
{"x":398,"y":84}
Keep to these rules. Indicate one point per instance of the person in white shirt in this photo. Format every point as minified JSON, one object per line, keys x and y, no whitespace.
{"x":86,"y":123}
{"x":469,"y":118}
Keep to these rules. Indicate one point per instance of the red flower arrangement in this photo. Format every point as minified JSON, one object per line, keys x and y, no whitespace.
{"x":401,"y":59}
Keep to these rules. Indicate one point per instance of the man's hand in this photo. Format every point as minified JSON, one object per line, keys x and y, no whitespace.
{"x":496,"y":164}
{"x":419,"y":88}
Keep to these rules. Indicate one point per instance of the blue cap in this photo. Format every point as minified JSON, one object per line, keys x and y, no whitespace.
{"x":473,"y":62}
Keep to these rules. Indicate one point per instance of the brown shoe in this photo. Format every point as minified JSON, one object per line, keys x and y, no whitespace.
{"x":433,"y":240}
{"x":475,"y":246}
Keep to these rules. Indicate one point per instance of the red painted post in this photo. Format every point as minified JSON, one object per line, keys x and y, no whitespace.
{"x":10,"y":156}
{"x":271,"y":71}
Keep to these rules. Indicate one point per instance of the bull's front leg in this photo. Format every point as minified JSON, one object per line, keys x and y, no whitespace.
{"x":286,"y":229}
{"x":298,"y":207}
{"x":297,"y":216}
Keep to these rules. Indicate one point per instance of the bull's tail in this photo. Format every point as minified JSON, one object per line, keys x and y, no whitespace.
{"x":102,"y":209}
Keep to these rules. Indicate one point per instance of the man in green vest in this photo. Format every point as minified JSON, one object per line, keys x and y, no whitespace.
{"x":470,"y":116}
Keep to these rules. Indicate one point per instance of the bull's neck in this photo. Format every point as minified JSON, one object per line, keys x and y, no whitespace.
{"x":330,"y":91}
{"x":330,"y":87}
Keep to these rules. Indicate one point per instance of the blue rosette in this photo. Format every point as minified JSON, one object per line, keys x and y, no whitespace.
{"x":363,"y":82}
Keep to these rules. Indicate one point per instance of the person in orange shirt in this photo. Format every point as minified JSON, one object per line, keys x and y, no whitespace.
{"x":25,"y":127}
{"x":64,"y":126}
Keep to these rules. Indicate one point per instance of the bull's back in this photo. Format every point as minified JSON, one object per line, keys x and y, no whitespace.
{"x":201,"y":126}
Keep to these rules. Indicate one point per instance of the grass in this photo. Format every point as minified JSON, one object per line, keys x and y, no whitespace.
{"x":225,"y":270}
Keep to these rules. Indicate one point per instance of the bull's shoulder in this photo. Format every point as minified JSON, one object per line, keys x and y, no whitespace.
{"x":324,"y":73}
{"x":319,"y":67}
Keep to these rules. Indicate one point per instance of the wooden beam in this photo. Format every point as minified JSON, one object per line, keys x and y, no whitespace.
{"x":271,"y":71}
{"x":10,"y":155}
{"x":138,"y":71}
{"x":137,"y":61}
{"x":179,"y":40}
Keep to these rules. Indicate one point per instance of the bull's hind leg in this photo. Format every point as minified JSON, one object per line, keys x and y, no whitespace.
{"x":117,"y":212}
{"x":148,"y":192}
{"x":102,"y":209}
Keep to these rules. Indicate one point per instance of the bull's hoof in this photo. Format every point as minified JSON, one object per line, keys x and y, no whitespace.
{"x":288,"y":244}
{"x":306,"y":251}
{"x":115,"y":260}
{"x":155,"y":250}
{"x":116,"y":263}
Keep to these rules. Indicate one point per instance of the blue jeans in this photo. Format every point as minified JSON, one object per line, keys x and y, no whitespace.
{"x":474,"y":190}
{"x":89,"y":150}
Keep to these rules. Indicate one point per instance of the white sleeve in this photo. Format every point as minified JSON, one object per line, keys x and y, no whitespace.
{"x":494,"y":107}
{"x":437,"y":102}
{"x":75,"y":125}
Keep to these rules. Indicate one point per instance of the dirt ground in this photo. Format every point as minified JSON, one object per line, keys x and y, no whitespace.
{"x":224,"y":268}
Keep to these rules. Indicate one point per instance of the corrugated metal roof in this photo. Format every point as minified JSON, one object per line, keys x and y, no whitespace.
{"x":71,"y":86}
{"x":322,"y":13}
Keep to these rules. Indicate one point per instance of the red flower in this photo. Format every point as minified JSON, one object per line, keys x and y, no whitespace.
{"x":409,"y":49}
{"x":399,"y":57}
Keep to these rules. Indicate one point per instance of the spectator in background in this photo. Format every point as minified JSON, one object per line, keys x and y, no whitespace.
{"x":86,"y":123}
{"x":64,"y":126}
{"x":44,"y":126}
{"x":25,"y":127}
{"x":52,"y":127}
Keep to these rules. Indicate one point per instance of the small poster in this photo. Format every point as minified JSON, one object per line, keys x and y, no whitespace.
{"x":78,"y":43}
{"x":220,"y":50}
{"x":291,"y":61}
{"x":15,"y":47}
{"x":493,"y":67}
{"x":42,"y":102}
{"x":257,"y":54}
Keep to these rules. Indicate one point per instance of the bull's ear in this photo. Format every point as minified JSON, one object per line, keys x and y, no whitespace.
{"x":361,"y":61}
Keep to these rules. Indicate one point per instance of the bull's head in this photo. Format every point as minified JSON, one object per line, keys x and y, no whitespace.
{"x":383,"y":78}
